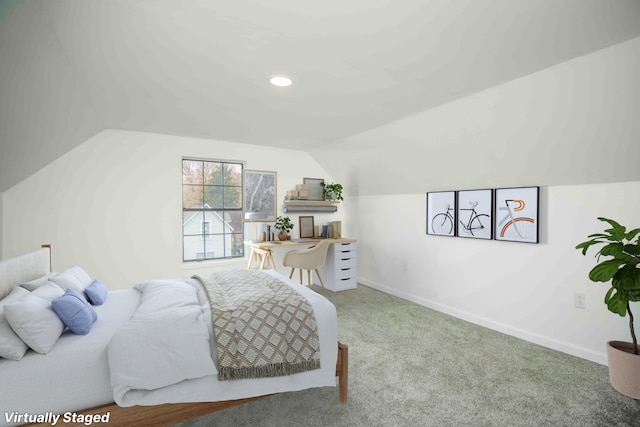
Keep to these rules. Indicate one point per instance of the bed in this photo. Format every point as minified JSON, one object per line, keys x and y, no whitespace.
{"x":90,"y":377}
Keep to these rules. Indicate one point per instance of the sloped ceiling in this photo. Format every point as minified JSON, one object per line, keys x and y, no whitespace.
{"x":71,"y":68}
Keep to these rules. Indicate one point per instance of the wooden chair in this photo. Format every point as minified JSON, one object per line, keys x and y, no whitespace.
{"x":307,"y":259}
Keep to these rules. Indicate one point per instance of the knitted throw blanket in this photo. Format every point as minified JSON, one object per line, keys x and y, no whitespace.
{"x":263,"y":328}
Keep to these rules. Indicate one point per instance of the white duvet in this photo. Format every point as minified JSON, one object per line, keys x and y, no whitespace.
{"x":165,"y":353}
{"x":165,"y":341}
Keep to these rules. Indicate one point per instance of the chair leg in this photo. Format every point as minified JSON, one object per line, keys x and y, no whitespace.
{"x":320,"y":278}
{"x":309,"y":278}
{"x":301,"y":276}
{"x":291,"y":274}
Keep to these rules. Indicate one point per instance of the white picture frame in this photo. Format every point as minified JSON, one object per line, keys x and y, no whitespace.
{"x":260,"y":190}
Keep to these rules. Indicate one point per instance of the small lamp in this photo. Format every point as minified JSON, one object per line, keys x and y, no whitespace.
{"x":251,"y":217}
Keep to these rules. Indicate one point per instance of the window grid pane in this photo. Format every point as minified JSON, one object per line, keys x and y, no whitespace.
{"x":212,"y":210}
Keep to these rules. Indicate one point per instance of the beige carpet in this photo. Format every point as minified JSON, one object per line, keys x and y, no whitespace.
{"x":412,"y":366}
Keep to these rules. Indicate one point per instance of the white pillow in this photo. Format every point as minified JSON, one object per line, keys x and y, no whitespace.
{"x":33,"y":319}
{"x":34,"y":284}
{"x":74,"y":277}
{"x":11,"y":346}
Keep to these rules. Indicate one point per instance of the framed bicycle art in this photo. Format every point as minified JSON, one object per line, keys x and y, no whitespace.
{"x":474,"y":214}
{"x":441,"y":211}
{"x":516,"y":214}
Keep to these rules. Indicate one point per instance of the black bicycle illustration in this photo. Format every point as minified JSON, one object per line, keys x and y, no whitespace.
{"x":476,"y":221}
{"x":519,"y":228}
{"x":442,"y":223}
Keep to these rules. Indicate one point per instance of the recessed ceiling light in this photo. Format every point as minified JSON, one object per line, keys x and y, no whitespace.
{"x":280,"y":81}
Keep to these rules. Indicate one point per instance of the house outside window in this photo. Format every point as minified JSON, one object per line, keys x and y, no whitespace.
{"x":212,"y":225}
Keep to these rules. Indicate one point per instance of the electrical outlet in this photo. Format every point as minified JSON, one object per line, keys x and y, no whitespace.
{"x":579,"y":301}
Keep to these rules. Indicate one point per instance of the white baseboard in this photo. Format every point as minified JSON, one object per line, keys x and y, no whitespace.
{"x":551,"y":343}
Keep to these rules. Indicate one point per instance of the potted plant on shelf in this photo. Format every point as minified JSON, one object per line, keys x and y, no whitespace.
{"x":284,"y":224}
{"x":331,"y":191}
{"x":622,"y":270}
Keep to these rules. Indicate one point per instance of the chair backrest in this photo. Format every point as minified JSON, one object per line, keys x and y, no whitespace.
{"x":307,"y":259}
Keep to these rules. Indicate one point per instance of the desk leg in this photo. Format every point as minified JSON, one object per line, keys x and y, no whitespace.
{"x":263,"y":258}
{"x":253,"y":254}
{"x":271,"y":261}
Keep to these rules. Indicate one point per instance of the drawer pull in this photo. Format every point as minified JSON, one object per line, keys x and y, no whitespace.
{"x":345,"y":269}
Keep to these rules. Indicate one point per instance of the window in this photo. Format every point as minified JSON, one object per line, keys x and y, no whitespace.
{"x":206,"y":229}
{"x":212,"y":225}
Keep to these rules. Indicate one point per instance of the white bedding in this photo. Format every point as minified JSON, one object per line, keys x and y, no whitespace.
{"x":209,"y":389}
{"x":75,"y":374}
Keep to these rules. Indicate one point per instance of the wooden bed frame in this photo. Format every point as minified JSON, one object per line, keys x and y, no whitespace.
{"x":172,"y":413}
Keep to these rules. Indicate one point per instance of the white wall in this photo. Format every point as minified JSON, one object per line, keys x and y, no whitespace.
{"x":522,"y":289}
{"x":113,"y":205}
{"x":572,"y":123}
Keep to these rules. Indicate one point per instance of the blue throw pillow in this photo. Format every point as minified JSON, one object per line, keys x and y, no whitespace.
{"x":75,"y":312}
{"x":96,"y":292}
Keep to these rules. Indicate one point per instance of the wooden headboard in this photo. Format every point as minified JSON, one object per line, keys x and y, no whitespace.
{"x":23,"y":268}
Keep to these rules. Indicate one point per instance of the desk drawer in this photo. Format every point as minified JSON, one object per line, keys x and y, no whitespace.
{"x":344,"y":284}
{"x":338,"y":255}
{"x":345,"y":273}
{"x":343,"y":263}
{"x":345,"y":247}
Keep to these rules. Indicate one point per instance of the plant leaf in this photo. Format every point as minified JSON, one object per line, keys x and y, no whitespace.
{"x":598,"y":235}
{"x":626,"y":279}
{"x":633,"y":233}
{"x":617,"y":232}
{"x":605,"y":271}
{"x":612,"y":249}
{"x":634,"y":295}
{"x":616,"y":304}
{"x":585,"y":245}
{"x":631,"y":248}
{"x":614,"y":224}
{"x":608,"y":295}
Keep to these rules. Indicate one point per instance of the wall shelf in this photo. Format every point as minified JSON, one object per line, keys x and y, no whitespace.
{"x":293,"y":206}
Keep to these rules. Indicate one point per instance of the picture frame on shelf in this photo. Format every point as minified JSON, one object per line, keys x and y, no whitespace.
{"x":441,"y":213}
{"x":474,"y":214}
{"x":314,"y":188}
{"x":516,"y":214}
{"x":260,"y":195}
{"x":307,"y":226}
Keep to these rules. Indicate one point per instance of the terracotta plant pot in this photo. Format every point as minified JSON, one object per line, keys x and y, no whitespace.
{"x":624,"y":368}
{"x":283,"y":235}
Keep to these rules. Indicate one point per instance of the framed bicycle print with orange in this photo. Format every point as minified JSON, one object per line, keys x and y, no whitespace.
{"x":441,"y":212}
{"x":516,"y":214}
{"x":474,"y":211}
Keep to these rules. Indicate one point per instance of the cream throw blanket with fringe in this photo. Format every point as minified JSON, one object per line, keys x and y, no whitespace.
{"x":263,"y":327}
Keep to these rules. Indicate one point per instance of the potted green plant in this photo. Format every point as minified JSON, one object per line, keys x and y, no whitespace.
{"x":622,"y":270}
{"x":331,"y":191}
{"x":284,"y":224}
